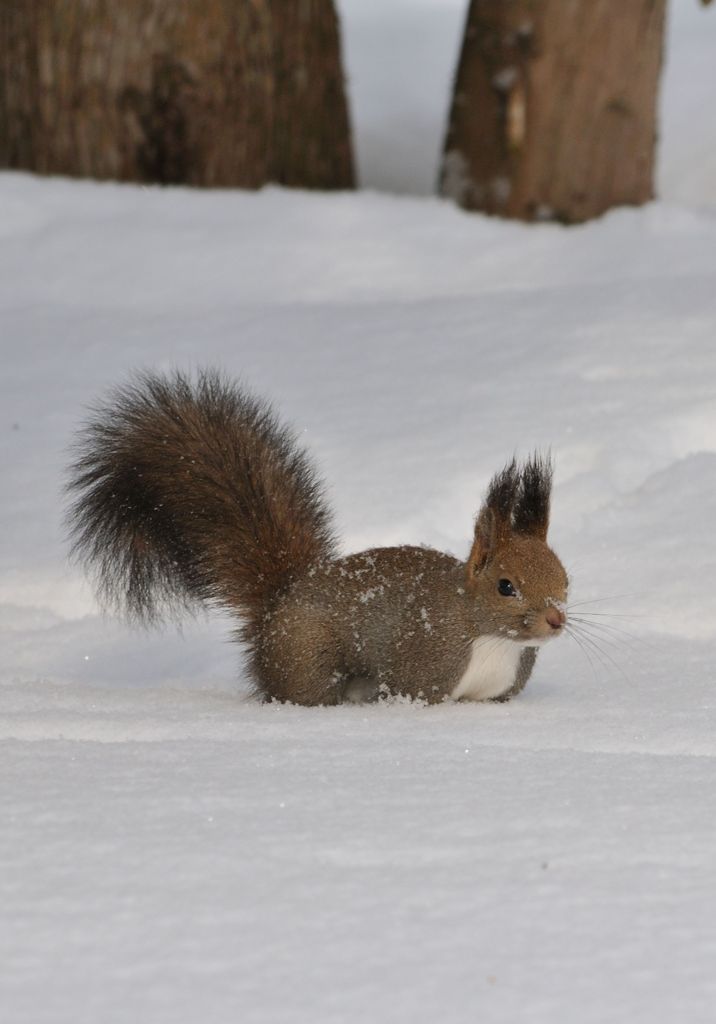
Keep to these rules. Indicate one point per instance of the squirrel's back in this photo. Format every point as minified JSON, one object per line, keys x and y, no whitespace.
{"x":189,"y":492}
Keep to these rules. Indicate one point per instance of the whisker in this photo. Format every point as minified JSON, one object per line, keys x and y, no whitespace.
{"x":597,"y":646}
{"x":609,"y":615}
{"x":616,"y":634}
{"x":601,"y":600}
{"x":583,"y":649}
{"x":605,"y":635}
{"x":604,"y":640}
{"x":588,"y":645}
{"x":595,"y":629}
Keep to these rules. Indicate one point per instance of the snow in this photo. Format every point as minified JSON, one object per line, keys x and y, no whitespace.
{"x":172,"y":851}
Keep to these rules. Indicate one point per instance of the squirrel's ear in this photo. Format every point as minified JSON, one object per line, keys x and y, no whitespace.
{"x":484,"y":544}
{"x":531,"y":511}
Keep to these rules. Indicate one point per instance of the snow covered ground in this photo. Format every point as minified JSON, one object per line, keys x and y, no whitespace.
{"x":172,"y":852}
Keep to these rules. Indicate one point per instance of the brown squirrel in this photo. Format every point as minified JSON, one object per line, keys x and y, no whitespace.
{"x":189,"y":493}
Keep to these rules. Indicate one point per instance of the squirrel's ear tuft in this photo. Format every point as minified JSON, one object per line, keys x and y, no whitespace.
{"x":502,"y":494}
{"x":494,"y":520}
{"x":531,"y":509}
{"x":484,"y":544}
{"x":500,"y":501}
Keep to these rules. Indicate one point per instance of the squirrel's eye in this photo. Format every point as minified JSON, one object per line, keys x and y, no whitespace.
{"x":506,"y":588}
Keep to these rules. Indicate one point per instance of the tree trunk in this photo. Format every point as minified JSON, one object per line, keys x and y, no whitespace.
{"x":197,"y":92}
{"x":554,"y":107}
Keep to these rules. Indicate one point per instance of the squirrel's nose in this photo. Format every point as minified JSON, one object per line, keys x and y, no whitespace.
{"x":555,"y":617}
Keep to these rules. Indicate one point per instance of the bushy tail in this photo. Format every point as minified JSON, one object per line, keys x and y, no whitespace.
{"x":186,"y":492}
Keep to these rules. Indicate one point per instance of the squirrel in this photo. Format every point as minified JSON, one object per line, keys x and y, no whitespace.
{"x":186,"y":493}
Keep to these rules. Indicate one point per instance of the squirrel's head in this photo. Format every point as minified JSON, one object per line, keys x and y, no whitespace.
{"x":517,"y":580}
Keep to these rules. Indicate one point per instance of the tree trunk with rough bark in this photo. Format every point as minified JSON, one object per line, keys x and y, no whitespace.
{"x":197,"y":92}
{"x":554,"y":107}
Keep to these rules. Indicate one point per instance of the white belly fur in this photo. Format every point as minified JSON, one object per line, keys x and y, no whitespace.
{"x":491,"y":670}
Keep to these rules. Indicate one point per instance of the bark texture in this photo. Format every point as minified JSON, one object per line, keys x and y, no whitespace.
{"x":554,"y":107}
{"x":198,"y":92}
